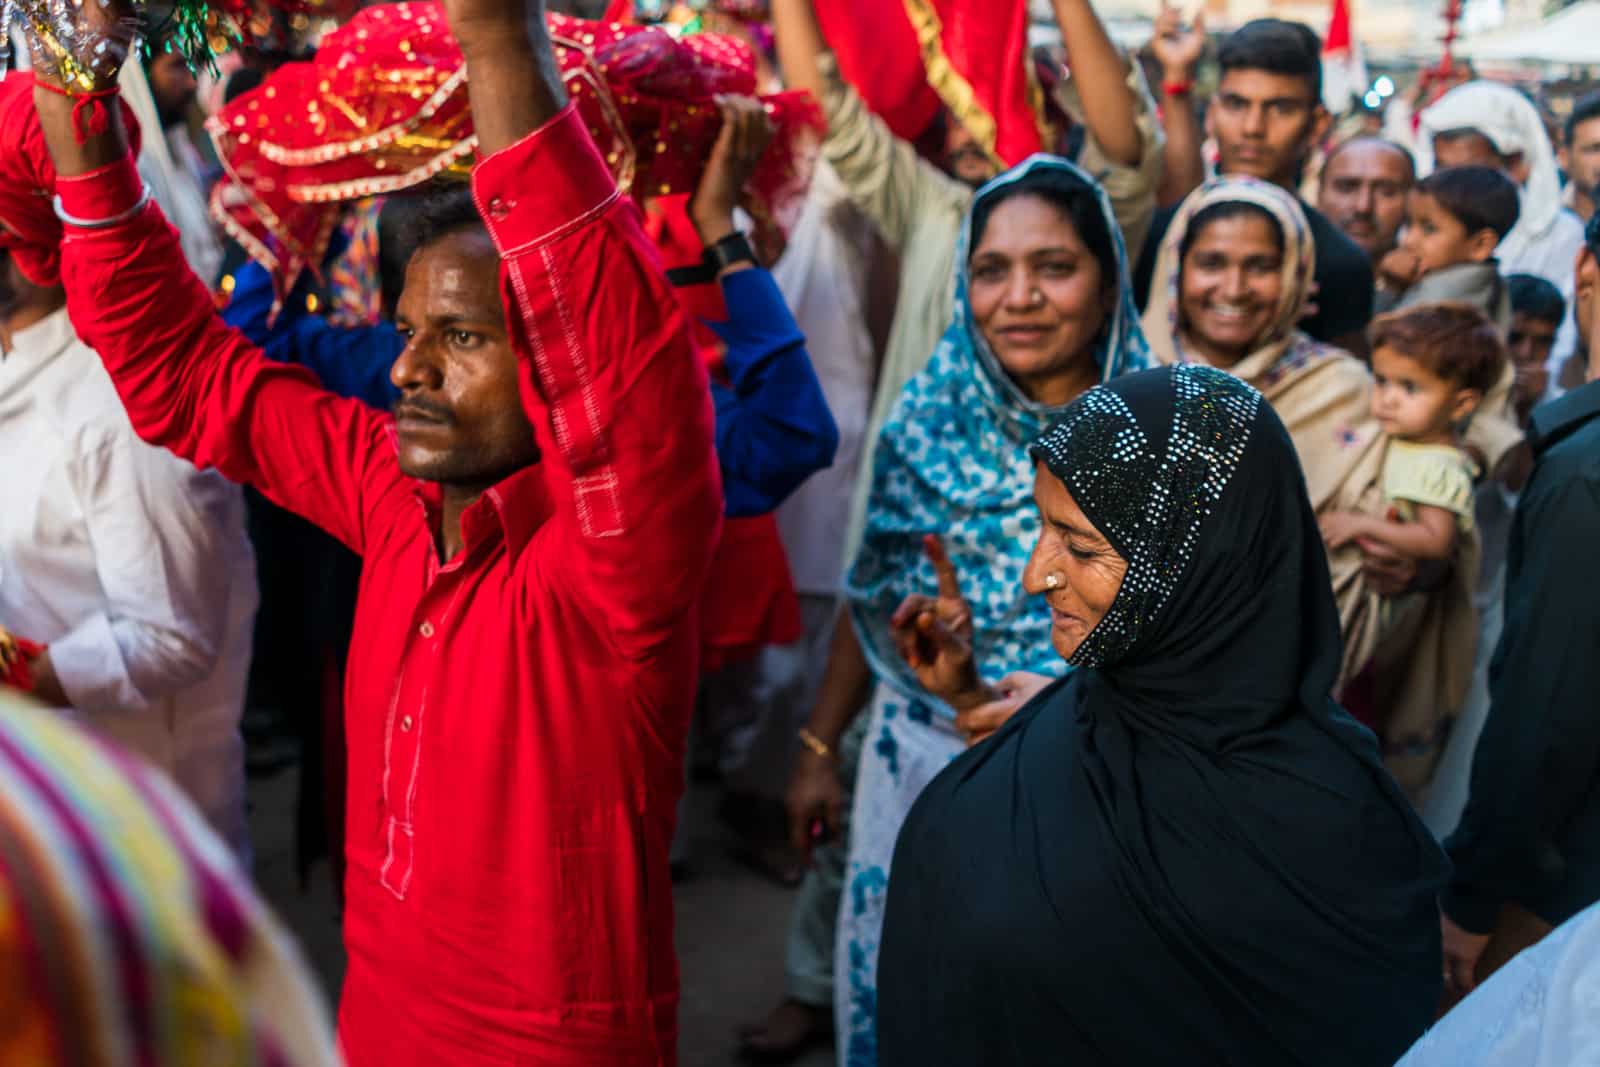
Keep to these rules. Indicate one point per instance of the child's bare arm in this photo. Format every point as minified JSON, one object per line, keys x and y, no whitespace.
{"x":1432,"y":535}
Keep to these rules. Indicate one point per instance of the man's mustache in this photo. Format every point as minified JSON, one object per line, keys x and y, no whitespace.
{"x":417,"y":407}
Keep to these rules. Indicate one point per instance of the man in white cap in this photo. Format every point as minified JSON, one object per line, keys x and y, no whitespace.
{"x":1493,"y":125}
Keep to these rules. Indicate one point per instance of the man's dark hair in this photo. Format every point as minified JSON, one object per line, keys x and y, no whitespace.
{"x":1462,"y":133}
{"x":1587,"y":108}
{"x":1371,"y":138}
{"x":1480,"y":198}
{"x":242,"y":81}
{"x":441,"y":210}
{"x":1536,"y":298}
{"x":414,"y":219}
{"x":1277,"y":47}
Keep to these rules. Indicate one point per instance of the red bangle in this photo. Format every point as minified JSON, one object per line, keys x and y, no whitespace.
{"x":16,"y":654}
{"x":1177,"y":88}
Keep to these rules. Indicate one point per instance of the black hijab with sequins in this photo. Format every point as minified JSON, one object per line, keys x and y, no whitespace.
{"x":1184,"y":852}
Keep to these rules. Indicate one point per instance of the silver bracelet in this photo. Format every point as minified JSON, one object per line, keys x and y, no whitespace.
{"x":101,"y":224}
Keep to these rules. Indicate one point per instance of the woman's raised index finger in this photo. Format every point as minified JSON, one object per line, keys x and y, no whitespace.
{"x":949,"y":585}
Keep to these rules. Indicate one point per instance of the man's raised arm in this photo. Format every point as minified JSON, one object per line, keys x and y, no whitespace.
{"x":619,"y":401}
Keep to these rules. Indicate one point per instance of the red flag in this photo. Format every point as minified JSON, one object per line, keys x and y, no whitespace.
{"x":908,"y":57}
{"x":1338,"y":39}
{"x":1344,"y":69}
{"x":880,"y":56}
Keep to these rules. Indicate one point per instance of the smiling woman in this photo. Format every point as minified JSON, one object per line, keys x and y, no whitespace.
{"x":1231,"y":285}
{"x":1231,"y":288}
{"x":1043,"y":283}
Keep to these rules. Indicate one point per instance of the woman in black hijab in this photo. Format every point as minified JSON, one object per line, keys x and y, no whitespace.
{"x":1184,"y":851}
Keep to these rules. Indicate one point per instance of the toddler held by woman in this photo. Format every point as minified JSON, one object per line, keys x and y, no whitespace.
{"x":1432,"y":365}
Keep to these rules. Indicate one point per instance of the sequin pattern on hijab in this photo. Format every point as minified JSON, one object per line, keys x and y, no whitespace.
{"x":1150,"y":504}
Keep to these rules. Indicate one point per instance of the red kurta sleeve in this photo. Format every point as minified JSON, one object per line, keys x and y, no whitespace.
{"x":611,"y":383}
{"x":200,"y":389}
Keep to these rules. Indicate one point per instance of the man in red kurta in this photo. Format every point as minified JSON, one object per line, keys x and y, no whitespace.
{"x":523,"y":665}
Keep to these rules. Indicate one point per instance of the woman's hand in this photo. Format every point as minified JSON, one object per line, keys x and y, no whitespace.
{"x":934,"y":636}
{"x":814,"y":801}
{"x":1015,"y":691}
{"x":1387,"y":572}
{"x":103,"y":34}
{"x":1339,"y":528}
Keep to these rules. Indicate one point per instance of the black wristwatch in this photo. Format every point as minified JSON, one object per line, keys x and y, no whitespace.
{"x":732,"y":249}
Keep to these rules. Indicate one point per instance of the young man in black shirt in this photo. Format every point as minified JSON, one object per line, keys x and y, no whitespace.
{"x":1266,"y":117}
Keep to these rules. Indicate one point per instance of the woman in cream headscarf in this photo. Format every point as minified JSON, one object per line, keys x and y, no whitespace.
{"x":1231,"y":284}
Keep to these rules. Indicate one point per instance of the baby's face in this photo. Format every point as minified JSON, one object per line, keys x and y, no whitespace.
{"x":1437,"y":238}
{"x":1410,"y":401}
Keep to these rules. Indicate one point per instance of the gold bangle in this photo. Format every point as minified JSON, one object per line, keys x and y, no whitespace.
{"x":815,"y":743}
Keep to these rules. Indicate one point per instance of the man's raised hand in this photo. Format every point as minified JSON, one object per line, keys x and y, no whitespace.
{"x":513,"y":81}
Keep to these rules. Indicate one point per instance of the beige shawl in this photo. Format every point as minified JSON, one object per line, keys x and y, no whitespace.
{"x":1321,"y":394}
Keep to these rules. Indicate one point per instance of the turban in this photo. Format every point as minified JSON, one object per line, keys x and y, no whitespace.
{"x":1512,"y":124}
{"x":383,"y":107}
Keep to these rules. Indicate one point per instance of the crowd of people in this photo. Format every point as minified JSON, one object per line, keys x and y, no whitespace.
{"x":1145,"y":579}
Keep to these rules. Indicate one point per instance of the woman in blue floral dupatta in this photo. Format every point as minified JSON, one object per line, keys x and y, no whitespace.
{"x":1042,"y":313}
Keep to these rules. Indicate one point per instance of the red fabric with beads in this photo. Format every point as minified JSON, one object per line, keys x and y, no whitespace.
{"x":383,"y":106}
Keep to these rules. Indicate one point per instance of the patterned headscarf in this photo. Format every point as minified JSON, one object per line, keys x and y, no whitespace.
{"x":953,"y":460}
{"x":127,"y":936}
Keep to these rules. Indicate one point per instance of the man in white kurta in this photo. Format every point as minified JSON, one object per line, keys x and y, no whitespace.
{"x":130,"y":565}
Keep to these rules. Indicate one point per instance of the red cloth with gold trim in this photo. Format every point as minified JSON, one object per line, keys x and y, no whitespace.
{"x":907,"y":57}
{"x":29,"y":229}
{"x":383,"y":106}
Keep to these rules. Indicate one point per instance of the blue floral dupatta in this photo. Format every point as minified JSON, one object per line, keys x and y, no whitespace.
{"x":953,"y":460}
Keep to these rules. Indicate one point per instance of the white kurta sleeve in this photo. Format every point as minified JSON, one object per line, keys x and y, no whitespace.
{"x":162,"y":534}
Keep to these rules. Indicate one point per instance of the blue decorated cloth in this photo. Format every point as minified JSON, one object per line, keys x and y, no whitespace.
{"x":953,"y":460}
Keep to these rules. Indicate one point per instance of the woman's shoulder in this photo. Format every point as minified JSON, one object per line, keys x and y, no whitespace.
{"x":1338,"y":375}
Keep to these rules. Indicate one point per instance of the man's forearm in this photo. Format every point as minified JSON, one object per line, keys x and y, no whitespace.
{"x":513,"y":82}
{"x":60,"y":134}
{"x":1109,"y":109}
{"x":46,"y":685}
